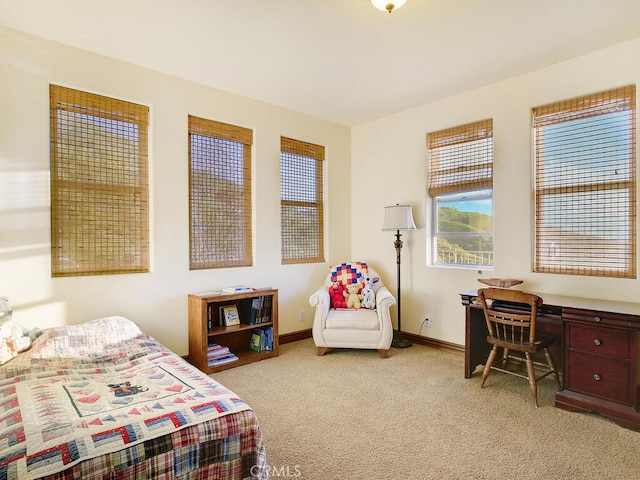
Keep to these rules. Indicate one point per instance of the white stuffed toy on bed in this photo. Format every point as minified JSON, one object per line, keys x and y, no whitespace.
{"x":14,"y":338}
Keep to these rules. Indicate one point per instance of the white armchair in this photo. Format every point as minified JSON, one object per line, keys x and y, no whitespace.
{"x":350,"y":327}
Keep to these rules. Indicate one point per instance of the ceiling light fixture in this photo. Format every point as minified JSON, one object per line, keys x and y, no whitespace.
{"x":387,"y":6}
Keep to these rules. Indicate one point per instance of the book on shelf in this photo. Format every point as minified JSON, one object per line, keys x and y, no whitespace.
{"x":261,"y":339}
{"x":256,"y":341}
{"x":250,"y":313}
{"x":210,"y":293}
{"x":222,"y":360}
{"x":265,"y":314}
{"x":214,"y":317}
{"x":269,"y":338}
{"x":237,"y":289}
{"x":258,"y":310}
{"x":219,"y":355}
{"x":229,"y":315}
{"x":215,"y":350}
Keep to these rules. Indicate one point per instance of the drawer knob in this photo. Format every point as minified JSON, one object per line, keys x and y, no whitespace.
{"x":597,"y":319}
{"x":596,"y":377}
{"x":597,"y":342}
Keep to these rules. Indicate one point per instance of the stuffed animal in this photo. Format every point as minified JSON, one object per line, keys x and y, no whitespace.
{"x":368,"y":296}
{"x":13,"y":337}
{"x":6,"y":351}
{"x":336,"y":296}
{"x":352,"y":295}
{"x":13,"y":340}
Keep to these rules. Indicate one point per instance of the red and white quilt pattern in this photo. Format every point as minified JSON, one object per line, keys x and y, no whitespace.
{"x":52,"y":419}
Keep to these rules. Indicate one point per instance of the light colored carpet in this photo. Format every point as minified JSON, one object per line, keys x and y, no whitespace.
{"x":353,"y":415}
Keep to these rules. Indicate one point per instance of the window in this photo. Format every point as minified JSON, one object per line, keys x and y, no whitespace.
{"x":585,"y":185}
{"x":301,"y":204}
{"x":220,"y":194}
{"x":99,"y":184}
{"x":461,"y":187}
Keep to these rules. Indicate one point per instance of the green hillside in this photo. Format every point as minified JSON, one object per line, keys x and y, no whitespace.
{"x":454,"y":248}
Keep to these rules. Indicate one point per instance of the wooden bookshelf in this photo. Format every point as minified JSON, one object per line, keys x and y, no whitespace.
{"x":206,"y":326}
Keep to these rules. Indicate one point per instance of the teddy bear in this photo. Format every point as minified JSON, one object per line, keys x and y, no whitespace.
{"x":352,"y":295}
{"x":368,"y":296}
{"x":335,"y":295}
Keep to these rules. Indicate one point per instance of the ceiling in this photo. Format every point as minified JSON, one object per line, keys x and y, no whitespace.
{"x":338,"y":60}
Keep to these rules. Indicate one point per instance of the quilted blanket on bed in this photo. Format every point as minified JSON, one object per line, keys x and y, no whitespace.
{"x":74,"y":396}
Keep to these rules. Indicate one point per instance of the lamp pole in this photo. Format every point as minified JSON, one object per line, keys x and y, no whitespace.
{"x":398,"y":217}
{"x":399,"y":341}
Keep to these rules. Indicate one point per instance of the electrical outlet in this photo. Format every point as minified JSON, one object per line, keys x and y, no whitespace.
{"x":302,"y":315}
{"x":429,"y":322}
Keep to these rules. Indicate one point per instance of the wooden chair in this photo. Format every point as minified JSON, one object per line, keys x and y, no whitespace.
{"x":513,"y":328}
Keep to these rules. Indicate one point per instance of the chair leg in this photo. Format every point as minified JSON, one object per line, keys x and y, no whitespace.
{"x":505,"y":357}
{"x":383,"y":353}
{"x":487,"y":367}
{"x":552,"y":367}
{"x":532,"y":378}
{"x":322,"y":351}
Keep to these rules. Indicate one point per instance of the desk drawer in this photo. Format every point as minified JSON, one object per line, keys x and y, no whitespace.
{"x":598,"y":340}
{"x":602,"y":377}
{"x":595,"y":317}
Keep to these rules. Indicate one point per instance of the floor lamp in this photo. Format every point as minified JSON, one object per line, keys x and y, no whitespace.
{"x":398,"y":217}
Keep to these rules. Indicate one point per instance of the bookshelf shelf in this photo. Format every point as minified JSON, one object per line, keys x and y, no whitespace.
{"x":206,"y":326}
{"x":215,"y":331}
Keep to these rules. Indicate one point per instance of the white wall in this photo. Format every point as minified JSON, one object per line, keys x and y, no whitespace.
{"x":389,"y":155}
{"x":157,"y":301}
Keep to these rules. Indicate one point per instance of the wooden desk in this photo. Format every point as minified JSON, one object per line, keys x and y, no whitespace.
{"x":596,"y":344}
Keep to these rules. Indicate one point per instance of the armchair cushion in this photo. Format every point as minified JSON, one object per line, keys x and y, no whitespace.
{"x":352,"y":318}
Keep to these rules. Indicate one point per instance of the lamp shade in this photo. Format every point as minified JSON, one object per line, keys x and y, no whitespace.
{"x":398,"y":217}
{"x":388,"y":5}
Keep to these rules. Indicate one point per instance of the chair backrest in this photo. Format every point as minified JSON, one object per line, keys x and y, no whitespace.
{"x":510,"y":314}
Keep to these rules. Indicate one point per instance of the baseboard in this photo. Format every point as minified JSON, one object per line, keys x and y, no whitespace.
{"x":294,"y":336}
{"x":432,"y":342}
{"x":419,"y":339}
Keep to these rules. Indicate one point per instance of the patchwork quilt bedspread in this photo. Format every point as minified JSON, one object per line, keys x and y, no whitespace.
{"x":86,"y":391}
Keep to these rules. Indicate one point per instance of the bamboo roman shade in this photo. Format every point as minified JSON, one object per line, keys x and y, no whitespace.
{"x":301,"y":206}
{"x":99,"y":184}
{"x":585,"y":185}
{"x":219,"y":194}
{"x":461,"y":158}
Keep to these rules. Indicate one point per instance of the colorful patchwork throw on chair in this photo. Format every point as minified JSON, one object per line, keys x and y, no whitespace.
{"x":352,"y":272}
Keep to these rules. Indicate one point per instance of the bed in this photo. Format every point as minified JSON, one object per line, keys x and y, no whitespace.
{"x":103,"y":400}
